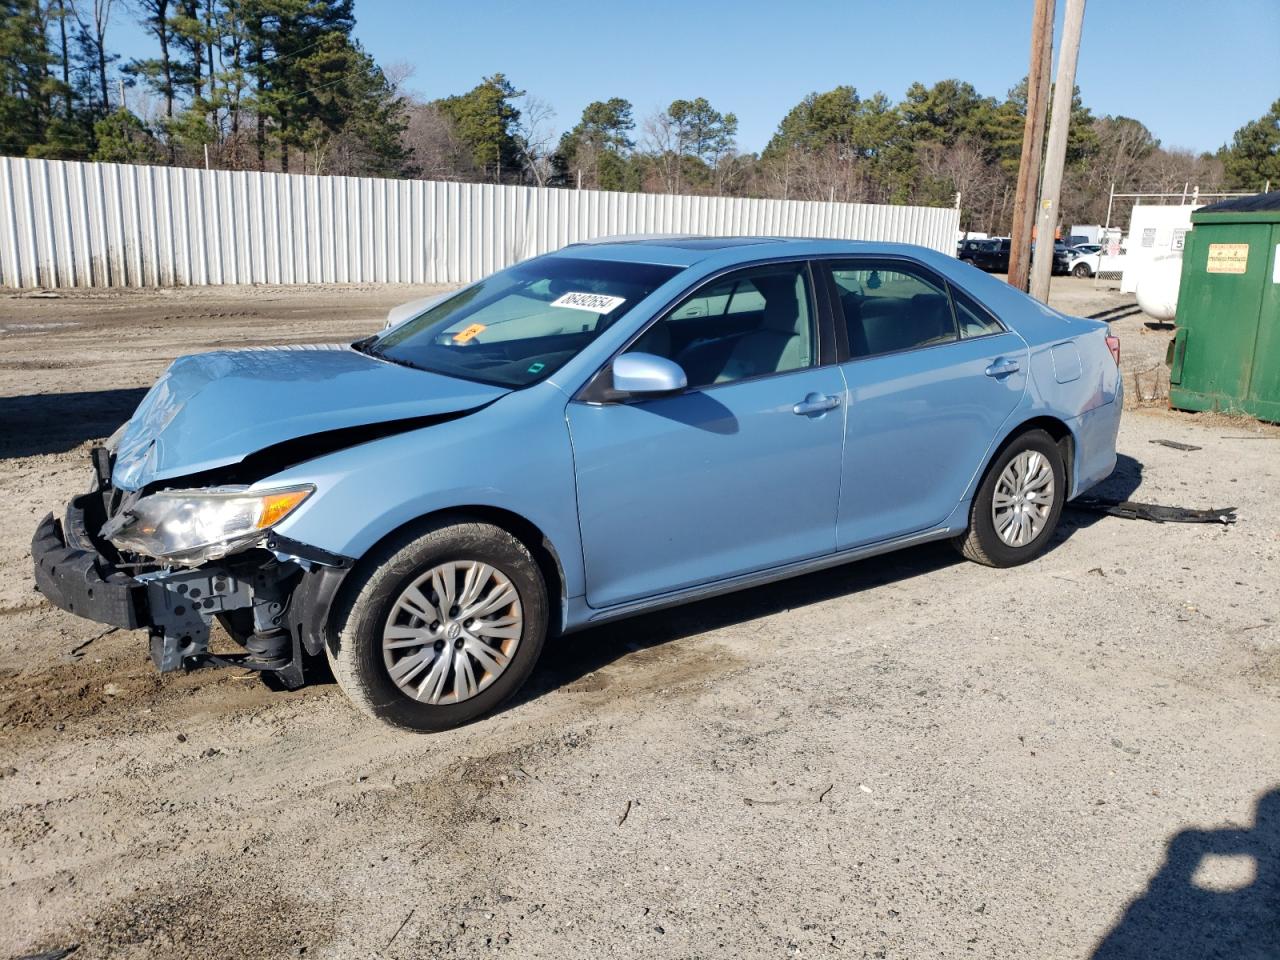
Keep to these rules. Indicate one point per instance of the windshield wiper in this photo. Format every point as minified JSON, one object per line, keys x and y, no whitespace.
{"x":366,"y":346}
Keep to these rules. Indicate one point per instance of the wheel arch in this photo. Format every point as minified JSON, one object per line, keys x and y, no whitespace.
{"x":539,"y":545}
{"x":1051,"y":425}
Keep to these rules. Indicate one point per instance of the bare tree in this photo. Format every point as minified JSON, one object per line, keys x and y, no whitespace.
{"x":1168,"y":171}
{"x":435,"y":149}
{"x":93,"y":17}
{"x":665,"y":142}
{"x":398,"y":74}
{"x":536,"y":138}
{"x":964,"y":168}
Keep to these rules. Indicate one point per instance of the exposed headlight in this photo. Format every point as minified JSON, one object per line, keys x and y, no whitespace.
{"x":189,"y":527}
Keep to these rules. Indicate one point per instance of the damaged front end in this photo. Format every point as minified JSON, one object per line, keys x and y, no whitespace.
{"x":154,"y":561}
{"x":180,"y":529}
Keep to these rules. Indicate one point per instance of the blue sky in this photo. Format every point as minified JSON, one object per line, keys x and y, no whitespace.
{"x":1193,"y":71}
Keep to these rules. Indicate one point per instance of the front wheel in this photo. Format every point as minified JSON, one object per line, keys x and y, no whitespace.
{"x":444,"y":626}
{"x":1017,"y":506}
{"x":1082,"y":271}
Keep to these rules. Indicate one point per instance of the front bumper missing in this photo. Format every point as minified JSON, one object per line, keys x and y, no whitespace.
{"x":280,"y":603}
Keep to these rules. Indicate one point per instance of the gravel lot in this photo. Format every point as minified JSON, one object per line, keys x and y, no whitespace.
{"x":907,"y":757}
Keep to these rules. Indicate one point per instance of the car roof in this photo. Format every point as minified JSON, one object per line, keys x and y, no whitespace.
{"x":683,"y":241}
{"x":671,"y":249}
{"x":685,"y":250}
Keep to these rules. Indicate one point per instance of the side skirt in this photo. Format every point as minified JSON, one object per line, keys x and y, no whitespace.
{"x":588,"y":617}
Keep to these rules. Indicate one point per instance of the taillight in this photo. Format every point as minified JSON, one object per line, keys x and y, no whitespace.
{"x":1113,"y":344}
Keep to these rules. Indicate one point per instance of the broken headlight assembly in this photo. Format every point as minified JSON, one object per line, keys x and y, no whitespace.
{"x":191,"y":527}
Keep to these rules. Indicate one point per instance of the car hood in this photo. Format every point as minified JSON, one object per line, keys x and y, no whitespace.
{"x":212,"y":410}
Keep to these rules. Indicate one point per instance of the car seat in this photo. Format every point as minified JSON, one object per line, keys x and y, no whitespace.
{"x":781,"y":341}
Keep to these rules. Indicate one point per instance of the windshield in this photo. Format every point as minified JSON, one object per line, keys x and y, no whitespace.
{"x":523,"y":324}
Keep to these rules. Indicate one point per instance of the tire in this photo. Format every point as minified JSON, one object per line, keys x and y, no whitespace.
{"x":1082,"y":271}
{"x":982,"y":543}
{"x":374,"y":602}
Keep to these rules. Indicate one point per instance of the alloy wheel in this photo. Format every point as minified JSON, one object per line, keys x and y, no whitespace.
{"x":1023,"y":499}
{"x":452,"y":632}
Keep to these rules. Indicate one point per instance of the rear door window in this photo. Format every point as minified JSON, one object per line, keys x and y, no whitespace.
{"x":973,"y":319}
{"x":891,"y":306}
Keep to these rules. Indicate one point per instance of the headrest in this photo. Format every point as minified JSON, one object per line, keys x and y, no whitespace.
{"x":781,"y":302}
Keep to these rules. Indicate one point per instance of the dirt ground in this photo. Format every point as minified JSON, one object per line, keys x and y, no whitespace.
{"x":911,"y":756}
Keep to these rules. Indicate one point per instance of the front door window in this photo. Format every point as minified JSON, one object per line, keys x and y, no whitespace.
{"x":750,"y":324}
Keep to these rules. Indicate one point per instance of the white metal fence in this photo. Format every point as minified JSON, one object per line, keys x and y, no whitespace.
{"x":65,"y":224}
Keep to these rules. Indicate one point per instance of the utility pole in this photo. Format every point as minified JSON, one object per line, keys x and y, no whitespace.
{"x":1056,"y":153}
{"x":1032,"y":144}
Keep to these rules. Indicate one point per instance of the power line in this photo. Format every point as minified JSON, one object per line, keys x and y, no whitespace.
{"x":329,"y":83}
{"x":299,"y":52}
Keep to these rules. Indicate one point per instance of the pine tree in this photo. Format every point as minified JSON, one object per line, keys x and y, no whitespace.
{"x":1254,"y":155}
{"x":485,"y":118}
{"x":24,"y":76}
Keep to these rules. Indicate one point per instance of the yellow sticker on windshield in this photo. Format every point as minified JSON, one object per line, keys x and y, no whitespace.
{"x":470,"y":333}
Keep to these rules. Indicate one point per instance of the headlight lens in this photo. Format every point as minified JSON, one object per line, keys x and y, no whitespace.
{"x":189,"y":527}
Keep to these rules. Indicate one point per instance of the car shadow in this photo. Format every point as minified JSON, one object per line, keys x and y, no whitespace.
{"x":569,"y":658}
{"x":1116,"y":313}
{"x":1179,"y":916}
{"x":695,"y":409}
{"x":1124,"y":481}
{"x":41,"y":423}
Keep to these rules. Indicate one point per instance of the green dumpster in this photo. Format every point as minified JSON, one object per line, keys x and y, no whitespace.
{"x":1225,"y":354}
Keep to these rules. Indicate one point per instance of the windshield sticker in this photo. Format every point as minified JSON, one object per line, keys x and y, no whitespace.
{"x":470,"y":333}
{"x":536,"y":367}
{"x":595,"y":302}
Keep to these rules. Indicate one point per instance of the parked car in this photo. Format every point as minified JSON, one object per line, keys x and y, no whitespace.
{"x":992,"y":255}
{"x":1086,"y":260}
{"x":994,"y":258}
{"x":596,"y":433}
{"x":1061,"y":257}
{"x":968,"y":249}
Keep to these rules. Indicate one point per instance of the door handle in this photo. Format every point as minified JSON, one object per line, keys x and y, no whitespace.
{"x":815,"y":403}
{"x":1003,"y":367}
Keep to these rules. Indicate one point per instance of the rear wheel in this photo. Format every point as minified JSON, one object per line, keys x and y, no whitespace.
{"x":444,"y":627}
{"x":1082,"y":270}
{"x":1017,"y":506}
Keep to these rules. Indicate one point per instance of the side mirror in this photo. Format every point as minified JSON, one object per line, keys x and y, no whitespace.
{"x":644,"y":374}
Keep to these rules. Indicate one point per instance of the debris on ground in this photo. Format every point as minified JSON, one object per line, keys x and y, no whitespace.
{"x":1175,"y":445}
{"x":57,"y":954}
{"x":75,"y":651}
{"x":403,"y":924}
{"x":1155,"y":512}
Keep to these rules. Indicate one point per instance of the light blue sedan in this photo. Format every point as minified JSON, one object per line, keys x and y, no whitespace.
{"x":607,"y":430}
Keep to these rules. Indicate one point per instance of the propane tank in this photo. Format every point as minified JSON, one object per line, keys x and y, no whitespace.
{"x":1158,"y":288}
